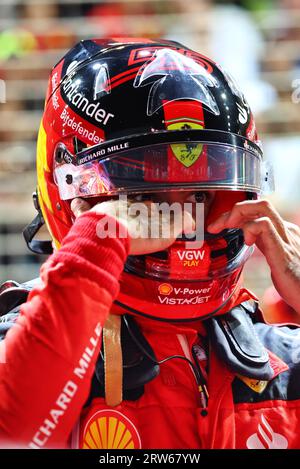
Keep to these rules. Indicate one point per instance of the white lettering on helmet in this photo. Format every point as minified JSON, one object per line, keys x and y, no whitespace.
{"x":82,"y":103}
{"x":183,"y":301}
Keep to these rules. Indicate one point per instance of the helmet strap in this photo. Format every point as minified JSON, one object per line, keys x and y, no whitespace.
{"x":36,"y":245}
{"x":113,"y":362}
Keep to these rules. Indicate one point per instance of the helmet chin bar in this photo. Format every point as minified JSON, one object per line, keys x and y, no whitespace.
{"x":35,"y":245}
{"x":163,"y":318}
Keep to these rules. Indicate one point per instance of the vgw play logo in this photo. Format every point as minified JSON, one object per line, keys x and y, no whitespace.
{"x":2,"y":91}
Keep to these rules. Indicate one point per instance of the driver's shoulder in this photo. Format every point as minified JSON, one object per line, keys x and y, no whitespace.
{"x":12,"y":296}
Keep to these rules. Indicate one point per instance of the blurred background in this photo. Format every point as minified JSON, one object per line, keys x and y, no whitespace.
{"x":258,"y":41}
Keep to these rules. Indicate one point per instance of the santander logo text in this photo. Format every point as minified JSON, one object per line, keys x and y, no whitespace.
{"x":266,"y":438}
{"x":82,"y":103}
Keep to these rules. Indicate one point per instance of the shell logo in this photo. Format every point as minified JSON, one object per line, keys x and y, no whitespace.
{"x":109,"y":429}
{"x":165,"y":289}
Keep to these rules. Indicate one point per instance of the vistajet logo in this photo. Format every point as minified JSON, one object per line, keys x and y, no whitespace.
{"x":91,"y":109}
{"x":182,"y":296}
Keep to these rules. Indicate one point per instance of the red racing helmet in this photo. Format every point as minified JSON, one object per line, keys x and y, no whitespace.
{"x":139,"y":117}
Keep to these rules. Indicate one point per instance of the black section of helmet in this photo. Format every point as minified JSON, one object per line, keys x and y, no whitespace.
{"x":127,"y":104}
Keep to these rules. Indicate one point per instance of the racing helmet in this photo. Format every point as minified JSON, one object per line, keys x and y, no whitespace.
{"x":137,"y":116}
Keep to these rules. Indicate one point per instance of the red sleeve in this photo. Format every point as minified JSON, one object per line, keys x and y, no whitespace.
{"x":51,"y":351}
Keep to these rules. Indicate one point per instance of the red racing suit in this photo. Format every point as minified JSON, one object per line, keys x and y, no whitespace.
{"x":50,"y":354}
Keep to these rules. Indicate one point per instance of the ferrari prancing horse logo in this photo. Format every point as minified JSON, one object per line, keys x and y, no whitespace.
{"x":186,"y":153}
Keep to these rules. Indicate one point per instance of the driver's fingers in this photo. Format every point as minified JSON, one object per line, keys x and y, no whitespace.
{"x":243,"y":212}
{"x":79,"y":206}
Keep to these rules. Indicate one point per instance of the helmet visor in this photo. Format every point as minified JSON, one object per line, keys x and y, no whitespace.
{"x":177,"y":166}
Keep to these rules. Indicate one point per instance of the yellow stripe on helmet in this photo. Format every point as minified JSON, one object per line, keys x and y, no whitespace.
{"x":42,"y":166}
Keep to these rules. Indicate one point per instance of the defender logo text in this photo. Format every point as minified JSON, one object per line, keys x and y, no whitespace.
{"x":91,"y":109}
